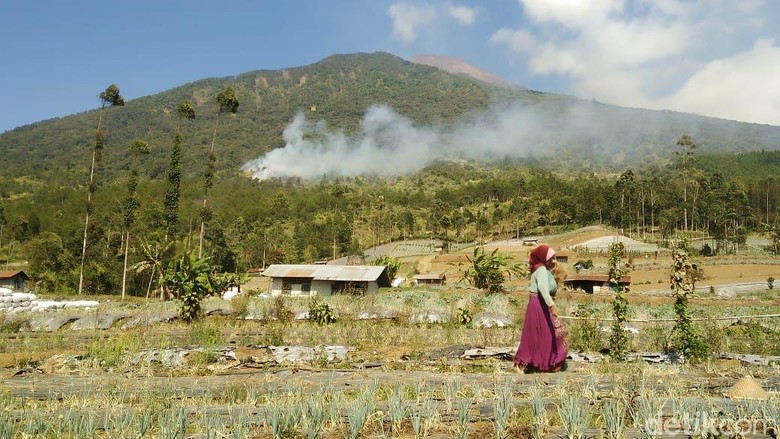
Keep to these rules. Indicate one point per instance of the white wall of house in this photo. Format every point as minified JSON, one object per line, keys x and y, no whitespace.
{"x":276,"y":286}
{"x":320,"y":287}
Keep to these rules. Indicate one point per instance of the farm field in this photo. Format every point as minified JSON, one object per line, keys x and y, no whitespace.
{"x":408,"y":362}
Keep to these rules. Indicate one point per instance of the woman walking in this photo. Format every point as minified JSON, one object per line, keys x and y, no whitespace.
{"x":542,"y":343}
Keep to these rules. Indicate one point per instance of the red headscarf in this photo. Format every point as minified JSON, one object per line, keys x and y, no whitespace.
{"x":539,"y":257}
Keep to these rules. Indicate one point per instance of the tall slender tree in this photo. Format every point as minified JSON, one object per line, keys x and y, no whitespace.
{"x":3,"y":222}
{"x":227,"y":102}
{"x":137,"y":149}
{"x":109,"y":97}
{"x":184,"y":110}
{"x":684,"y":163}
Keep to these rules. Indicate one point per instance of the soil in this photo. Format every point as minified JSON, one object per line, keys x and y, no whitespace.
{"x":650,"y":272}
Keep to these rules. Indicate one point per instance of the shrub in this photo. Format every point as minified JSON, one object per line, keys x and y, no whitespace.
{"x":280,"y":311}
{"x":239,"y":306}
{"x":487,"y":271}
{"x":321,"y":313}
{"x":191,"y":279}
{"x":464,"y":316}
{"x":770,"y":282}
{"x":584,"y":333}
{"x":392,"y":264}
{"x":618,"y":341}
{"x":685,"y":339}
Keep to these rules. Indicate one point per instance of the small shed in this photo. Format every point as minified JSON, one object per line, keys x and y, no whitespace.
{"x":435,"y":279}
{"x":309,"y":280}
{"x":14,"y":280}
{"x":592,"y":283}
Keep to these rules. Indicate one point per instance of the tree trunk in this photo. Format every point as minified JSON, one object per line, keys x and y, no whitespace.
{"x":124,"y":269}
{"x":89,"y":202}
{"x":206,"y":190}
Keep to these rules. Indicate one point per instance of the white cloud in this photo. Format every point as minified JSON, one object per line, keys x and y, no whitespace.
{"x":408,"y":19}
{"x":654,"y":53}
{"x":463,"y":15}
{"x":571,"y":13}
{"x":742,"y":87}
{"x":517,"y":40}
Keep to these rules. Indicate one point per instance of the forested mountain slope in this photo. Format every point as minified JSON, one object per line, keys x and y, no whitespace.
{"x":338,"y":90}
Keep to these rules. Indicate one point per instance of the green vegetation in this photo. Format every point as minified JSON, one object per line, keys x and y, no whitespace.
{"x":109,"y":97}
{"x":686,"y":339}
{"x":190,"y":279}
{"x":249,"y":223}
{"x":618,"y":341}
{"x":392,"y":264}
{"x":227,"y":102}
{"x":137,"y":148}
{"x":321,"y":313}
{"x":488,"y":271}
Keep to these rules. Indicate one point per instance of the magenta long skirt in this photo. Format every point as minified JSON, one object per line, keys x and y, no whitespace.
{"x":542,"y":344}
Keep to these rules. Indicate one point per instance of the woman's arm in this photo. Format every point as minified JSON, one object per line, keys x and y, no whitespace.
{"x":543,"y":285}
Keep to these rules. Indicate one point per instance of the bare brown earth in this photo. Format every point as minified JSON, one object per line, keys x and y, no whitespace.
{"x":650,"y":272}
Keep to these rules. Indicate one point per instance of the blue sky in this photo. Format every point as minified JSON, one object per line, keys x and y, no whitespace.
{"x":714,"y":57}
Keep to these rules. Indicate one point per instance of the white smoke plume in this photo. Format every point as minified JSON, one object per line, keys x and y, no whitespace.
{"x":389,"y":144}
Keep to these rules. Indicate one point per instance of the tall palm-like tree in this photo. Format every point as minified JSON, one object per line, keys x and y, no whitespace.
{"x":227,"y":102}
{"x":684,"y":163}
{"x":184,"y":110}
{"x":109,"y":97}
{"x":137,"y":149}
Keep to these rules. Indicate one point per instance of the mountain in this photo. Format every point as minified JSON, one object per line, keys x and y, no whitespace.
{"x":555,"y":130}
{"x":459,"y":67}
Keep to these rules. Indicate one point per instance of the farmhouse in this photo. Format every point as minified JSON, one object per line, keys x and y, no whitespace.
{"x":308,"y":280}
{"x":435,"y":279}
{"x":14,"y":280}
{"x":592,"y":283}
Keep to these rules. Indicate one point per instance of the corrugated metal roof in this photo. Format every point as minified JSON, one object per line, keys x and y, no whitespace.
{"x":290,"y":270}
{"x":344,"y":273}
{"x":10,"y":274}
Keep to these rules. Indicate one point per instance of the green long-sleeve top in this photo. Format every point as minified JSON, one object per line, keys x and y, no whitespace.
{"x":543,"y":283}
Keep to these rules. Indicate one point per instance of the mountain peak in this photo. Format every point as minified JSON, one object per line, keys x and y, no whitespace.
{"x":458,"y":66}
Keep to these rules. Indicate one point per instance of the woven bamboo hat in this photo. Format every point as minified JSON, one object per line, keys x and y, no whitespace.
{"x":746,"y":388}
